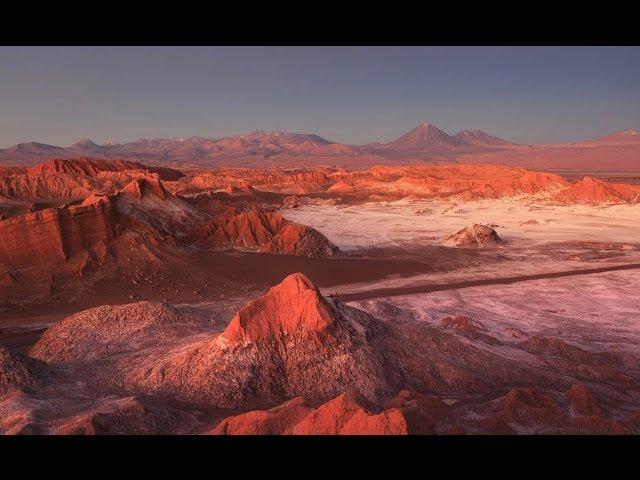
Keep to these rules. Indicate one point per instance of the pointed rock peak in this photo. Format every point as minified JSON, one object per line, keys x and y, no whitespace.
{"x":348,"y":414}
{"x":298,"y":282}
{"x":521,"y":400}
{"x":426,"y":126}
{"x":293,"y":305}
{"x":582,"y":401}
{"x":591,"y":182}
{"x":476,"y":235}
{"x":149,"y":184}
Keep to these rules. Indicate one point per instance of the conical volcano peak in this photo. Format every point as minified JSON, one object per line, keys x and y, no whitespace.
{"x":424,"y":137}
{"x":85,"y":142}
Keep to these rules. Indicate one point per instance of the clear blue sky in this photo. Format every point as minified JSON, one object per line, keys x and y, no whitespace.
{"x":349,"y":94}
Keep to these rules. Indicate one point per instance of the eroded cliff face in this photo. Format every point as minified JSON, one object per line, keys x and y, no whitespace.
{"x":466,"y":182}
{"x":75,"y":179}
{"x":55,"y":234}
{"x":593,"y":191}
{"x":67,"y":224}
{"x":266,"y":232}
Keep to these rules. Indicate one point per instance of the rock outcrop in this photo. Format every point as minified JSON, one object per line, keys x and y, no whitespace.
{"x":348,"y":414}
{"x":465,"y":182}
{"x":475,"y":235}
{"x":524,"y":410}
{"x":266,"y":232}
{"x":264,"y":319}
{"x":343,"y":415}
{"x":425,"y":414}
{"x":73,"y":179}
{"x":590,"y":190}
{"x":278,"y":420}
{"x":276,"y":348}
{"x":126,"y":416}
{"x":582,"y":400}
{"x":109,"y":329}
{"x":20,"y":371}
{"x":55,"y":234}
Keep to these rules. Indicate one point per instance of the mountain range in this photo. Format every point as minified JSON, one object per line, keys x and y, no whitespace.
{"x":424,"y":144}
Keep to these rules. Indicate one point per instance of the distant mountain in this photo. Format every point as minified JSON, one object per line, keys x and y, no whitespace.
{"x":425,"y":143}
{"x":32,"y":149}
{"x":85,"y":143}
{"x":478,"y":137}
{"x":425,"y":137}
{"x":624,"y":137}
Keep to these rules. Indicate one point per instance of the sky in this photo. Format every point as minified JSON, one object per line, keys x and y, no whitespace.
{"x":354,"y":95}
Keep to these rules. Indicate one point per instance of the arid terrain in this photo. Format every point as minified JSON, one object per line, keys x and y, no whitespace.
{"x":466,"y":295}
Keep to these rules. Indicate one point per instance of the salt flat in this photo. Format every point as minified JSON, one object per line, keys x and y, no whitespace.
{"x":598,"y":312}
{"x":519,"y":220}
{"x":541,"y":236}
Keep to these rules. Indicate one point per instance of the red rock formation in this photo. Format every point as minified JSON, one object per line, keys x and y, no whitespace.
{"x":92,"y":167}
{"x":345,"y":415}
{"x":278,"y":420}
{"x":463,"y":181}
{"x":469,"y":328}
{"x":474,"y":236}
{"x":76,"y":179}
{"x":521,"y":410}
{"x":277,"y":347}
{"x":140,"y":187}
{"x":582,"y":401}
{"x":587,"y":415}
{"x":266,"y":232}
{"x":462,"y":323}
{"x":55,"y":234}
{"x":82,"y":166}
{"x":592,"y":191}
{"x":72,"y":244}
{"x":425,"y":414}
{"x":282,"y":343}
{"x":525,"y":407}
{"x":264,"y":319}
{"x":554,"y":346}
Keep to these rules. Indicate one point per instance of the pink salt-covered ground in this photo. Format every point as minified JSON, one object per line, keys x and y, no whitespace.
{"x":598,"y":312}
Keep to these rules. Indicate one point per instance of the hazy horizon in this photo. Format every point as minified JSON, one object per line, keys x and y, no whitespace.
{"x":354,"y":95}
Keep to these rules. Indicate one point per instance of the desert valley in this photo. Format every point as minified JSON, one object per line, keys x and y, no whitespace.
{"x":278,"y":283}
